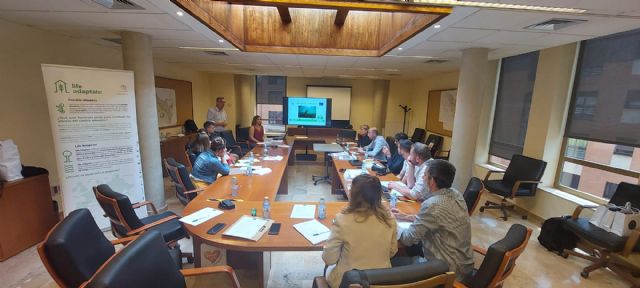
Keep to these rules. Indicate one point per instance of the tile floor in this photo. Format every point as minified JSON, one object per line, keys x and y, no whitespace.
{"x":535,"y":268}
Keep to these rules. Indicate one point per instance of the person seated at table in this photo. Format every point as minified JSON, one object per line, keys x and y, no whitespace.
{"x":414,"y":187}
{"x":209,"y":128}
{"x":363,"y":137}
{"x":209,"y":164}
{"x":404,"y":148}
{"x":256,"y":132}
{"x":200,"y":144}
{"x":374,"y":149}
{"x":363,"y":235}
{"x":395,"y":160}
{"x":442,"y":224}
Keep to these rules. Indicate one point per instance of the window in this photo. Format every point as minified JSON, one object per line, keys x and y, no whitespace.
{"x":602,"y":137}
{"x":513,"y":100}
{"x":270,"y":91}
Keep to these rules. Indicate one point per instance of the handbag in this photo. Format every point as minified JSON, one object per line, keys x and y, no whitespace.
{"x":10,"y":165}
{"x":625,"y":220}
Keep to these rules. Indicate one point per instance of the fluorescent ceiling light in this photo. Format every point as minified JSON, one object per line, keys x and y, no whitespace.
{"x":180,"y":13}
{"x":437,"y":26}
{"x":221,"y":41}
{"x":209,"y":48}
{"x":501,"y":6}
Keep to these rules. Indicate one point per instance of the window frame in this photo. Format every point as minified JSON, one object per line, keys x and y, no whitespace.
{"x":256,"y":94}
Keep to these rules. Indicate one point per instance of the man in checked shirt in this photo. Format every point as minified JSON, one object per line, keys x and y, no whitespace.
{"x":442,"y":224}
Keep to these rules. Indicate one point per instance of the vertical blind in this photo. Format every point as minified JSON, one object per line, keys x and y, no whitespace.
{"x":605,"y":104}
{"x":513,"y":100}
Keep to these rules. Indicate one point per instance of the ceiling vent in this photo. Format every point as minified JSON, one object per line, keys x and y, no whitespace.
{"x":216,"y":53}
{"x":119,"y":4}
{"x":436,"y":61}
{"x":113,"y":40}
{"x":554,"y":24}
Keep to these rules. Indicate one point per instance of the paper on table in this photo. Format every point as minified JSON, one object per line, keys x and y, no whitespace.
{"x":247,"y":227}
{"x":352,"y":173}
{"x":273,"y":158}
{"x":386,"y":184}
{"x":262,"y":171}
{"x":302,"y":211}
{"x":200,"y":216}
{"x":402,"y":225}
{"x":313,"y":230}
{"x":244,"y":161}
{"x":302,"y":137}
{"x":283,"y":146}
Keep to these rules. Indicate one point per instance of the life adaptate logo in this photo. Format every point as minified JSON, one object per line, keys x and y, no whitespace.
{"x":67,"y":156}
{"x":60,"y":108}
{"x":61,"y":87}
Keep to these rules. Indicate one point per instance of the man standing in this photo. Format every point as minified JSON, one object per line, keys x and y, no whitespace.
{"x":374,"y":149}
{"x":442,"y":224}
{"x":217,"y":115}
{"x":414,"y":186}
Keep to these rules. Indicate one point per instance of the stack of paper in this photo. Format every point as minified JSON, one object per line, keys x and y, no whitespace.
{"x":302,"y":211}
{"x":262,"y":171}
{"x":247,"y":227}
{"x":200,"y":216}
{"x":273,"y":158}
{"x":313,"y":230}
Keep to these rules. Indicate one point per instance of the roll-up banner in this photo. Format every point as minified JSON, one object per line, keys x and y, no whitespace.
{"x":95,"y":134}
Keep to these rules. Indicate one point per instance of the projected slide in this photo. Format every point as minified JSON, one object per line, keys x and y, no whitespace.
{"x":307,"y":111}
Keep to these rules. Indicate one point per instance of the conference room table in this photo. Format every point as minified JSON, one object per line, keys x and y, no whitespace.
{"x":247,"y":254}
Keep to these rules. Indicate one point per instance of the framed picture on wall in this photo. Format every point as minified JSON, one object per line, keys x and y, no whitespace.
{"x":174,"y":101}
{"x":441,"y":110}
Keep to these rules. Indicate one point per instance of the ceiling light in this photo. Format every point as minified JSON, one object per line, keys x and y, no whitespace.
{"x":180,"y":13}
{"x":220,"y":41}
{"x":501,"y":6}
{"x":437,"y":26}
{"x":400,"y":48}
{"x":209,"y":48}
{"x":418,"y":57}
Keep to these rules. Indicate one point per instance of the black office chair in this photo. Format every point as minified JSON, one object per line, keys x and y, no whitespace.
{"x":472,"y":194}
{"x":243,"y":134}
{"x":185,"y":190}
{"x":190,"y":127}
{"x":602,"y":245}
{"x":347,"y":135}
{"x":75,"y":248}
{"x":418,"y":135}
{"x":146,"y":263}
{"x":434,"y":273}
{"x":236,"y":147}
{"x":434,"y":142}
{"x":499,"y":260}
{"x":520,"y":179}
{"x":125,"y":222}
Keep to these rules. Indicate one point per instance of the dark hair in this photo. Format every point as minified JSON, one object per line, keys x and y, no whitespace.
{"x":207,"y":124}
{"x":405,"y":145}
{"x":254,"y":121}
{"x":401,"y":136}
{"x":190,"y":126}
{"x":200,"y":143}
{"x":442,"y":172}
{"x":422,"y":151}
{"x":217,"y":144}
{"x":393,"y":148}
{"x":366,"y":200}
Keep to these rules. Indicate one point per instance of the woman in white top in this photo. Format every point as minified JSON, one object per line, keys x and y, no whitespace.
{"x":363,"y":235}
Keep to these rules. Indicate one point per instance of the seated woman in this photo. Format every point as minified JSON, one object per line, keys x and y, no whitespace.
{"x":256,"y":132}
{"x":395,"y":160}
{"x":363,"y":235}
{"x":200,"y":144}
{"x":209,"y":164}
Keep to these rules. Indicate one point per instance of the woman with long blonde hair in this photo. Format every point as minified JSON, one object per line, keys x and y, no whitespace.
{"x":363,"y":235}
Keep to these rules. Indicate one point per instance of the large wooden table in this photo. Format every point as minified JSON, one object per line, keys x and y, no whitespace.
{"x":256,"y":255}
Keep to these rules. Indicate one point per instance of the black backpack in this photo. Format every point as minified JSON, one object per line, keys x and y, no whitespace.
{"x":554,"y":237}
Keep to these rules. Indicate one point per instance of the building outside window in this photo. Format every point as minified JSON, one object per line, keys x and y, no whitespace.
{"x":270,"y":91}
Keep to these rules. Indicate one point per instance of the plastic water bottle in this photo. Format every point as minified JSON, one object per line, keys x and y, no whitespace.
{"x":393,"y":201}
{"x":251,"y":157}
{"x":364,"y":168}
{"x":249,"y":171}
{"x":322,"y":209}
{"x":266,"y":208}
{"x":234,"y":186}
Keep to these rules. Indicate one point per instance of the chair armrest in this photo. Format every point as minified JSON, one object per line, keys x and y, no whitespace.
{"x":518,"y":183}
{"x":459,"y":285}
{"x":486,"y":177}
{"x":578,"y":210}
{"x":631,"y":242}
{"x":194,"y":191}
{"x":479,"y":250}
{"x":145,"y":203}
{"x":123,"y":241}
{"x":212,"y":270}
{"x":151,"y":225}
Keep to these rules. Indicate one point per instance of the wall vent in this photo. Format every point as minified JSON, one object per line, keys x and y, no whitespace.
{"x":119,"y":4}
{"x":436,"y":61}
{"x":216,"y":53}
{"x":554,"y":24}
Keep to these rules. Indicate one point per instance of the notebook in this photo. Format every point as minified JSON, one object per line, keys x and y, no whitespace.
{"x":200,"y":216}
{"x":313,"y":230}
{"x":248,"y":227}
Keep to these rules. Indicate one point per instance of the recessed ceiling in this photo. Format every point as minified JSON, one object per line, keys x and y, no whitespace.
{"x":502,"y":32}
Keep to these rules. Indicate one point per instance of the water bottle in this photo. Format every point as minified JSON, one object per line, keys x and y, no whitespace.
{"x":249,"y":171}
{"x":234,"y":186}
{"x":364,"y":168}
{"x":393,"y":201}
{"x":266,"y":147}
{"x":266,"y":208}
{"x":251,"y":157}
{"x":322,"y":209}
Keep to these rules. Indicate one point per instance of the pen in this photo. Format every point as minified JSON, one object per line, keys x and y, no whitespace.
{"x":217,"y":199}
{"x":317,"y":234}
{"x":198,"y":219}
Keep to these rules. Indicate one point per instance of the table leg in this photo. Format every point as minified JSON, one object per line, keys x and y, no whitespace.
{"x":197,"y":251}
{"x":284,"y":182}
{"x":264,"y":268}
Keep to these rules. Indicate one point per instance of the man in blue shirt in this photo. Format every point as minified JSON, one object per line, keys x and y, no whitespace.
{"x":209,"y":164}
{"x":374,"y":149}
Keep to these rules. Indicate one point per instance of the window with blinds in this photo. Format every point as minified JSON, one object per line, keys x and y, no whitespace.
{"x":270,"y":91}
{"x":602,"y":134}
{"x":513,"y":100}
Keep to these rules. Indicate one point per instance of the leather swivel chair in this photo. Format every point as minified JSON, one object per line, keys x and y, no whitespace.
{"x":520,"y":179}
{"x":145,"y":263}
{"x":347,"y":135}
{"x":243,"y":134}
{"x":434,"y":273}
{"x":185,"y":190}
{"x":418,"y":135}
{"x":434,"y":142}
{"x":472,"y":194}
{"x":237,"y":147}
{"x":125,"y":222}
{"x":601,"y":245}
{"x":499,"y":260}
